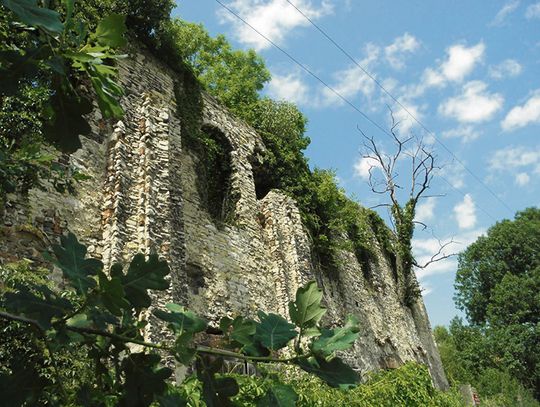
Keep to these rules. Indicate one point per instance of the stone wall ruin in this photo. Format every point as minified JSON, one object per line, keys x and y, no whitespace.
{"x":144,"y":196}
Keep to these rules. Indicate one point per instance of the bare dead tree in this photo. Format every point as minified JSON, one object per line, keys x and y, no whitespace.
{"x":384,"y":179}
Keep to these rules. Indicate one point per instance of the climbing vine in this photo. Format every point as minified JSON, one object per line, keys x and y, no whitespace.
{"x":48,"y":61}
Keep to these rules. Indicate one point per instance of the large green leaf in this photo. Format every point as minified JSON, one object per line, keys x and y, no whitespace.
{"x":69,"y":5}
{"x":144,"y":379}
{"x":306,"y":311}
{"x":67,"y":121}
{"x":142,"y":276}
{"x":110,"y":31}
{"x":71,"y":258}
{"x":274,"y":332}
{"x":111,"y":292}
{"x":216,"y":391}
{"x":243,"y":330}
{"x":108,"y":93}
{"x":337,"y":339}
{"x":31,"y":14}
{"x":185,"y":324}
{"x":181,"y":320}
{"x":335,"y":373}
{"x":41,"y":305}
{"x":243,"y":336}
{"x":23,"y":385}
{"x":184,"y":352}
{"x":279,"y":395}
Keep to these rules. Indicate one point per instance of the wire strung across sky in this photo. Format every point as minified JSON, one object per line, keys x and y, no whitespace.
{"x":396,"y":100}
{"x":353,"y":106}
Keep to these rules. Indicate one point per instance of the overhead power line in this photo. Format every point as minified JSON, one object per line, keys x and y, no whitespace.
{"x":338,"y":94}
{"x":396,"y":100}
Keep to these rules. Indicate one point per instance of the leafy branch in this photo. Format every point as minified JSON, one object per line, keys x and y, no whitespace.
{"x":61,"y":53}
{"x":106,"y":312}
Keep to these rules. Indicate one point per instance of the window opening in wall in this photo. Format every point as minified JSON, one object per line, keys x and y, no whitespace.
{"x":216,"y":171}
{"x":262,"y":178}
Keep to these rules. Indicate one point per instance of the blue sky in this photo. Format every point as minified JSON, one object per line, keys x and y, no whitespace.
{"x":469,"y":70}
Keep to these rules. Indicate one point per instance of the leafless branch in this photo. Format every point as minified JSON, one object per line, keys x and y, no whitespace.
{"x":440,"y":255}
{"x":380,"y":206}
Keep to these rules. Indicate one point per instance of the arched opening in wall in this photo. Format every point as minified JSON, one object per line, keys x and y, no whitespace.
{"x":264,"y":181}
{"x":216,"y":170}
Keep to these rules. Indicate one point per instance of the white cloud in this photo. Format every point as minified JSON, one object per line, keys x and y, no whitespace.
{"x":425,"y":210}
{"x":397,"y":51}
{"x":352,"y":81}
{"x":275,"y":19}
{"x":363,"y":165}
{"x":406,"y":122}
{"x":521,"y":116}
{"x":522,"y":179}
{"x":474,"y":105}
{"x":533,"y":11}
{"x":459,"y":63}
{"x":465,"y":133}
{"x":506,"y":69}
{"x":465,"y":212}
{"x":288,"y":87}
{"x":515,"y":158}
{"x":504,"y":12}
{"x":454,"y":173}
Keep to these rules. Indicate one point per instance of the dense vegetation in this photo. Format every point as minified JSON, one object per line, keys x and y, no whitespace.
{"x":83,"y":345}
{"x":93,"y":323}
{"x":497,"y":285}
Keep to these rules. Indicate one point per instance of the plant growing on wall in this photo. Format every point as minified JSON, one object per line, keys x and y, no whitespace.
{"x":48,"y":59}
{"x":384,"y":180}
{"x":106,"y":312}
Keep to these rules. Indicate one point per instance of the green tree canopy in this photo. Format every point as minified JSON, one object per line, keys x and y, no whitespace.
{"x":233,"y":76}
{"x":143,"y":17}
{"x":508,"y":254}
{"x":498,"y":286}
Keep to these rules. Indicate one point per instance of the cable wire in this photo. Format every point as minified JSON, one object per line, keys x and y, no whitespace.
{"x":396,"y":100}
{"x":310,"y":72}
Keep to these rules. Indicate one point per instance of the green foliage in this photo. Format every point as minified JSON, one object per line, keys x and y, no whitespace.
{"x":142,"y":275}
{"x":144,"y":379}
{"x":279,"y":395}
{"x":143,"y":17}
{"x":71,"y":258}
{"x":509,"y":248}
{"x":31,"y":14}
{"x":306,"y":310}
{"x":25,"y":158}
{"x":333,"y":340}
{"x":101,"y":314}
{"x":107,"y":33}
{"x":410,"y":386}
{"x":334,"y":372}
{"x":46,"y":56}
{"x":23,"y":351}
{"x":467,"y":356}
{"x":52,"y":62}
{"x":282,"y":127}
{"x":497,"y":284}
{"x":274,"y":332}
{"x":235,"y":77}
